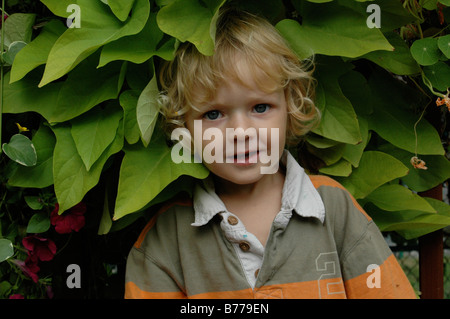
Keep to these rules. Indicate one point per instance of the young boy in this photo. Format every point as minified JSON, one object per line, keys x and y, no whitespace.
{"x":247,"y":233}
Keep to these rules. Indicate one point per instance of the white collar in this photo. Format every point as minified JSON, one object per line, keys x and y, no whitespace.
{"x":299,"y":195}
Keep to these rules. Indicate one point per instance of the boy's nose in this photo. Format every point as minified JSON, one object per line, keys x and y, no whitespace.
{"x":240,"y":121}
{"x":242,"y":132}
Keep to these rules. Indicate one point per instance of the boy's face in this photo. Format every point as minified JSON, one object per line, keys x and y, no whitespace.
{"x":241,"y":156}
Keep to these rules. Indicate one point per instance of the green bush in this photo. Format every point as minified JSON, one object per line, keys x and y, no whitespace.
{"x":83,"y":98}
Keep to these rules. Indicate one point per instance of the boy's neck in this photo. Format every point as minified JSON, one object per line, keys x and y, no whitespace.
{"x":228,"y":189}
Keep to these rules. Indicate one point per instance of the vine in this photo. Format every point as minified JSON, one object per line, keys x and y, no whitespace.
{"x":78,"y":117}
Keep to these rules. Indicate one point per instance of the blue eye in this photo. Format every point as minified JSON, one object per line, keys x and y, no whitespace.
{"x":261,"y":108}
{"x":212,"y":115}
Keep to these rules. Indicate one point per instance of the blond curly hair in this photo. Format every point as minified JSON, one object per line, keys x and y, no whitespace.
{"x":191,"y":78}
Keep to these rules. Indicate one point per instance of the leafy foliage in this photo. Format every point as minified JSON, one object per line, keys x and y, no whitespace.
{"x":88,"y":97}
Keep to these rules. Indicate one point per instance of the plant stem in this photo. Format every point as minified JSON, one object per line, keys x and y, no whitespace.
{"x":415,"y":127}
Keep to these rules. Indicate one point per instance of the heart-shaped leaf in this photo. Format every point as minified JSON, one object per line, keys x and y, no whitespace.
{"x":99,"y":27}
{"x":191,"y":20}
{"x":145,"y":172}
{"x":39,"y":223}
{"x":6,"y":249}
{"x":21,"y":150}
{"x":375,"y":169}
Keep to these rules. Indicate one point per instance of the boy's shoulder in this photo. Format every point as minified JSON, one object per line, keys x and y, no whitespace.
{"x":337,"y":198}
{"x":167,"y":215}
{"x":322,"y":180}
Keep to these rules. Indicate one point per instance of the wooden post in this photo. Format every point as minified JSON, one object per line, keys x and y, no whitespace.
{"x":431,"y":257}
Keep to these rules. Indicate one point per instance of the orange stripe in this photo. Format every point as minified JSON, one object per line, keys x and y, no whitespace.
{"x":393,"y":283}
{"x":324,"y":289}
{"x":132,"y":291}
{"x":331,"y":288}
{"x":321,"y":180}
{"x":235,"y":294}
{"x":183,"y":201}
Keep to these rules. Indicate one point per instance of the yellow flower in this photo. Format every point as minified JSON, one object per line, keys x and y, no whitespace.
{"x":22,"y":128}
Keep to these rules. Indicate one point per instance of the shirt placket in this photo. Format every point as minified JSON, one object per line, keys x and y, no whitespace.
{"x":248,"y":248}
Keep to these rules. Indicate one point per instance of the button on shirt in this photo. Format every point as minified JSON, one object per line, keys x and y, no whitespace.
{"x":299,"y":195}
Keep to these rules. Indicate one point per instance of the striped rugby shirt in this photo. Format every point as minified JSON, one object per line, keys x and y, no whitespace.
{"x":321,"y":245}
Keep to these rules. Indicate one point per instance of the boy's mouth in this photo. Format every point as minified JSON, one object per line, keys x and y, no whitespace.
{"x":249,"y":157}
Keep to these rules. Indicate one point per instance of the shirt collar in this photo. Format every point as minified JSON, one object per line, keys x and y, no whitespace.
{"x":299,"y":195}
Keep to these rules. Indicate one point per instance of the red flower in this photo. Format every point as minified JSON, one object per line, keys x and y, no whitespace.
{"x":29,"y":267}
{"x":5,"y":17}
{"x":73,"y":220}
{"x":16,"y":296}
{"x":39,"y":248}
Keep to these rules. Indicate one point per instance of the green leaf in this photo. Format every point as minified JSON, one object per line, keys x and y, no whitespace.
{"x":59,"y":7}
{"x":138,"y":75}
{"x":140,"y":47}
{"x":25,"y":96}
{"x":412,"y":223}
{"x":99,"y":27}
{"x":40,"y":175}
{"x":398,"y":61}
{"x":289,"y":29}
{"x":430,"y":4}
{"x":21,"y":150}
{"x":145,"y":172}
{"x":394,"y":119}
{"x":393,"y":14}
{"x":353,"y":153}
{"x":191,"y":20}
{"x":375,"y":169}
{"x":72,"y":180}
{"x":78,"y":87}
{"x":397,"y":197}
{"x":426,"y":51}
{"x":444,"y":45}
{"x":421,"y":180}
{"x":128,"y":100}
{"x":5,"y":289}
{"x":439,"y":75}
{"x":36,"y":52}
{"x":325,"y":32}
{"x":341,"y":168}
{"x":386,"y":117}
{"x":34,"y":202}
{"x":320,"y":142}
{"x":338,"y":121}
{"x":355,"y":87}
{"x":18,"y":27}
{"x":94,"y":131}
{"x":13,"y":50}
{"x":105,"y":221}
{"x":62,"y":101}
{"x":329,"y":155}
{"x":121,"y":8}
{"x":147,"y":110}
{"x":6,"y":249}
{"x":38,"y":223}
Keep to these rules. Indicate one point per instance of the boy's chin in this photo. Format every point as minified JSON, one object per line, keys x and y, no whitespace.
{"x":239,"y":176}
